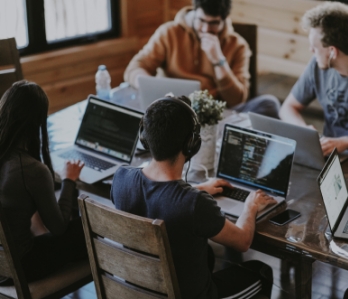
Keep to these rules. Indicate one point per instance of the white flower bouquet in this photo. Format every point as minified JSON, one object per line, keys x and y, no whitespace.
{"x":208,"y":110}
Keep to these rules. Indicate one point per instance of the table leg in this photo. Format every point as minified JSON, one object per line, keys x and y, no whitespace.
{"x":303,"y":278}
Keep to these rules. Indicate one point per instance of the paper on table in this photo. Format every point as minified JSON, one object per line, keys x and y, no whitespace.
{"x":338,"y":250}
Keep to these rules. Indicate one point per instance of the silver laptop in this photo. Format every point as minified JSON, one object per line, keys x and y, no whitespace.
{"x":308,"y":148}
{"x":253,"y":160}
{"x":106,"y":139}
{"x":335,"y":195}
{"x":153,"y":88}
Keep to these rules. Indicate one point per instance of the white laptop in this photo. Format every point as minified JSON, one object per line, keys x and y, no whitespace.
{"x":308,"y":148}
{"x":253,"y":160}
{"x":335,"y":195}
{"x":153,"y":88}
{"x":106,"y":139}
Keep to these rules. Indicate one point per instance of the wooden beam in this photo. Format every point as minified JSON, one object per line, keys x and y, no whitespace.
{"x":266,"y":17}
{"x":282,"y":15}
{"x":67,"y":76}
{"x":66,"y":93}
{"x":89,"y":67}
{"x":70,"y":56}
{"x":298,"y":6}
{"x":128,"y":24}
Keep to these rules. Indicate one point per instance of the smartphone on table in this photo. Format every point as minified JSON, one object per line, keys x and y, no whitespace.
{"x":285,"y":217}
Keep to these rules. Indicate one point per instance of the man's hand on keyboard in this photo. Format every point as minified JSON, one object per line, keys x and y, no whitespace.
{"x":72,"y":169}
{"x":213,"y":186}
{"x":259,"y":199}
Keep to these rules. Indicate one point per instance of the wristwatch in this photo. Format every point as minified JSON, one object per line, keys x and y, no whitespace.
{"x":221,"y":62}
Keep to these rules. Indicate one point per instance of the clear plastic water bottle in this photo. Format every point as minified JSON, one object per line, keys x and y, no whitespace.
{"x":102,"y":81}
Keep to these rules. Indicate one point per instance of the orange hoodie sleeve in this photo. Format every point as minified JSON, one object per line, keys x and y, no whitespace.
{"x":149,"y":58}
{"x":235,"y":86}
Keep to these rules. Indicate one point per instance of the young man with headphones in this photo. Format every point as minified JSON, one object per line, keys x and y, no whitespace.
{"x":171,"y":131}
{"x":326,"y":76}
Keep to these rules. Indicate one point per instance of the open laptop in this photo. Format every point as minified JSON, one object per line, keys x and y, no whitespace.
{"x":308,"y":149}
{"x":152,"y":88}
{"x":106,"y":139}
{"x":253,"y":160}
{"x":335,"y":195}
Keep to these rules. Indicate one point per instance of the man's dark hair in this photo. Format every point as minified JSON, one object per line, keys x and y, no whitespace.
{"x":214,"y":8}
{"x":167,"y":126}
{"x":332,"y":18}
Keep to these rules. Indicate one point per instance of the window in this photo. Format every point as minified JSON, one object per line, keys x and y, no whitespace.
{"x":74,"y":18}
{"x":13,"y":21}
{"x":41,"y":25}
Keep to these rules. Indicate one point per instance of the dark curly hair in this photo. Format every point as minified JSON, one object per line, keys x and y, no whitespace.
{"x":214,"y":8}
{"x":167,"y":126}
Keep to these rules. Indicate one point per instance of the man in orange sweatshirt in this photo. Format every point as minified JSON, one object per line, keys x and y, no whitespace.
{"x":200,"y":44}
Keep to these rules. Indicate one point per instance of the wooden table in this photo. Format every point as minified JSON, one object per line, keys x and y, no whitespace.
{"x":302,"y":241}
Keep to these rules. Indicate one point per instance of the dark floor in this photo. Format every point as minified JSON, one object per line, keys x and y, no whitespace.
{"x":328,"y":282}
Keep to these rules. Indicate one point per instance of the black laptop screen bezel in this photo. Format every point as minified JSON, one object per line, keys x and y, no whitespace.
{"x":320,"y":178}
{"x":94,"y":98}
{"x":261,"y":134}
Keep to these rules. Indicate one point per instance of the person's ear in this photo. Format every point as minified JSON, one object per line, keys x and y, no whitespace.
{"x":333,"y":52}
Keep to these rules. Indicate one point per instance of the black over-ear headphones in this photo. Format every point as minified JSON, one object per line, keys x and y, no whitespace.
{"x":192,"y":145}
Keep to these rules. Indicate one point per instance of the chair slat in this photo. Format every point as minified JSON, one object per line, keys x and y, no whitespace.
{"x":249,"y":33}
{"x":125,"y":290}
{"x":116,"y":243}
{"x":141,"y":270}
{"x":48,"y":287}
{"x":103,"y":222}
{"x":6,"y":51}
{"x":4,"y":266}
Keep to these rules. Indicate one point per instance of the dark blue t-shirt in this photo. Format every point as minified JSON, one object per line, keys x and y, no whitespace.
{"x":191,"y":217}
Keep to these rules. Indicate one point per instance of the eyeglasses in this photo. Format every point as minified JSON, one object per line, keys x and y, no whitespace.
{"x":211,"y":24}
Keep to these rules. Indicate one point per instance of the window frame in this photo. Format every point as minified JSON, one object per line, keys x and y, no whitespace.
{"x":37,"y":35}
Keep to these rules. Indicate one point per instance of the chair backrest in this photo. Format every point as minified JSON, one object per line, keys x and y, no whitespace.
{"x":10,"y":66}
{"x":129,"y":255}
{"x":10,"y":265}
{"x":249,"y":33}
{"x":56,"y":285}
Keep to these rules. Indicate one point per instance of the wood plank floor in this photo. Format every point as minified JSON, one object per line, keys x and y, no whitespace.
{"x":328,"y":282}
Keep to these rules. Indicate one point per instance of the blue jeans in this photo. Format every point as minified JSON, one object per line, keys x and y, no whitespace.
{"x":266,"y":104}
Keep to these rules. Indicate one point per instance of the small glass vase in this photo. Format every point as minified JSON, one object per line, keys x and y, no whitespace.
{"x":206,"y":155}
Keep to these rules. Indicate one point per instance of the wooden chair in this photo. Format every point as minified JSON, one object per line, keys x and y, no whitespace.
{"x":56,"y":285}
{"x":129,"y":255}
{"x":249,"y":33}
{"x":10,"y":66}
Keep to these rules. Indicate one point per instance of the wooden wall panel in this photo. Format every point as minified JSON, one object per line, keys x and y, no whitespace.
{"x":267,"y":63}
{"x":150,"y":15}
{"x":176,"y":5}
{"x":71,"y":91}
{"x":67,"y":76}
{"x":282,"y":43}
{"x":264,"y":17}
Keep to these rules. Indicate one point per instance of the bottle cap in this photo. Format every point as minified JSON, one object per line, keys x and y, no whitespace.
{"x":102,"y":67}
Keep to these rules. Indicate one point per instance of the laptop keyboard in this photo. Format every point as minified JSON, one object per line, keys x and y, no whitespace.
{"x":235,"y":193}
{"x":90,"y":161}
